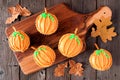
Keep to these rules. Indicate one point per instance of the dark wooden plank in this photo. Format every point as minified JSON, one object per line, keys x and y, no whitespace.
{"x":114,"y":45}
{"x":50,"y":3}
{"x":9,"y":69}
{"x":85,"y":6}
{"x":34,"y":6}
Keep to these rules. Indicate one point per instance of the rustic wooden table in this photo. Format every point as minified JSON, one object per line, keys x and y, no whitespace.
{"x":9,"y":68}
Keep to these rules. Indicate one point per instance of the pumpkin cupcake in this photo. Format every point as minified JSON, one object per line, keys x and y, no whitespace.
{"x":70,"y":44}
{"x":46,"y":23}
{"x":18,"y":41}
{"x":44,"y":56}
{"x":100,"y":59}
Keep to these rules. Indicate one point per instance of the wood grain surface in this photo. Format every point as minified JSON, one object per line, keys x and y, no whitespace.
{"x":9,"y":68}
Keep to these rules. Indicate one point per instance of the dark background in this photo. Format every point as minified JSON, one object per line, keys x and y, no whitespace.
{"x":9,"y":68}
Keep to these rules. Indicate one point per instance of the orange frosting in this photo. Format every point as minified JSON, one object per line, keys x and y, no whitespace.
{"x":101,"y":60}
{"x":46,"y":23}
{"x":70,"y":45}
{"x":19,"y":41}
{"x":44,"y":56}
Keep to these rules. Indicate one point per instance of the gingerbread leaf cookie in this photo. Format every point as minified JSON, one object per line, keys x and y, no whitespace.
{"x":103,"y":29}
{"x":15,"y":12}
{"x":75,"y":68}
{"x":59,"y":70}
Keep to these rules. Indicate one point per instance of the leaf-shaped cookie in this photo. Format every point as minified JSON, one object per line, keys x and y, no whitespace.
{"x":15,"y":12}
{"x":102,"y":30}
{"x":75,"y":68}
{"x":59,"y":70}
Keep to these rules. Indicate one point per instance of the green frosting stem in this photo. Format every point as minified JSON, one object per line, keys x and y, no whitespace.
{"x":14,"y":34}
{"x":41,"y":48}
{"x":36,"y":53}
{"x":51,"y":17}
{"x":45,"y":15}
{"x":98,"y":52}
{"x":73,"y":36}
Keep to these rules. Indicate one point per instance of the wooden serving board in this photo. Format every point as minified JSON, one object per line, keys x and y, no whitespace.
{"x":68,"y":21}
